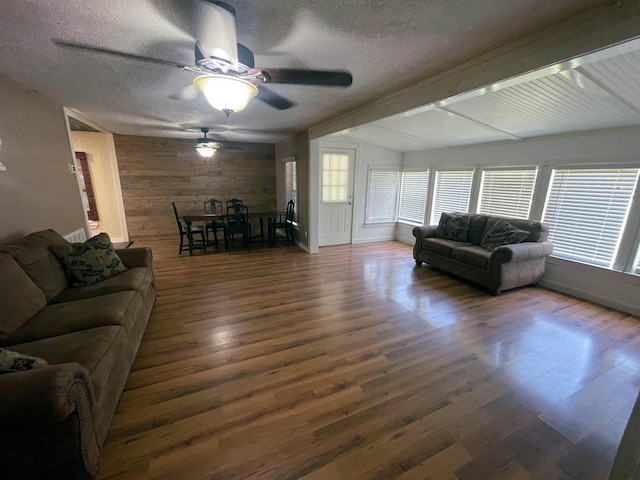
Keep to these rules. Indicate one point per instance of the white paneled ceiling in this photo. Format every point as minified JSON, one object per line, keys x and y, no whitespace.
{"x":598,"y":91}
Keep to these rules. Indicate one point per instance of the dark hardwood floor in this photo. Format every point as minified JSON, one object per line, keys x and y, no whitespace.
{"x":356,"y":364}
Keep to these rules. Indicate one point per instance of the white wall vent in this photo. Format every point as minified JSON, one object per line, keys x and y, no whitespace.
{"x":77,"y":236}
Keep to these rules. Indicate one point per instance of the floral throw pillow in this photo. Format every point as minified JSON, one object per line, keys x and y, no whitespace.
{"x":11,"y":361}
{"x":89,"y":262}
{"x":453,"y":226}
{"x":502,"y":233}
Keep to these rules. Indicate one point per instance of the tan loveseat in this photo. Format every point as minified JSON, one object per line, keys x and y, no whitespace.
{"x":506,"y":267}
{"x":54,"y":420}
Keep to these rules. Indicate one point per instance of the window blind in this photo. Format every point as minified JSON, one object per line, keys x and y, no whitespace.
{"x":452,"y":192}
{"x":586,"y":211}
{"x":382,"y":199}
{"x":507,"y":192}
{"x":637,"y":269}
{"x":291,"y":181}
{"x":413,"y":196}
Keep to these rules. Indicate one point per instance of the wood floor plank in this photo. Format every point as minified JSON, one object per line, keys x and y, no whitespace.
{"x":356,"y":364}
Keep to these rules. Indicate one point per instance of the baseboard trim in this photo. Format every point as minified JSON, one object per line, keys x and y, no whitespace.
{"x":623,"y":307}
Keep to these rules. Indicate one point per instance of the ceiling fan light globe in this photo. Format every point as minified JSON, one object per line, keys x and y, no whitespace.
{"x":226,"y":93}
{"x":205,"y":151}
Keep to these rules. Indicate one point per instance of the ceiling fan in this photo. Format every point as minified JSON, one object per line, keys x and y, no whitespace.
{"x":207,"y":147}
{"x":227,"y":75}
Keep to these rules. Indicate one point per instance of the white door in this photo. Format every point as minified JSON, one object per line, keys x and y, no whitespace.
{"x":336,"y":195}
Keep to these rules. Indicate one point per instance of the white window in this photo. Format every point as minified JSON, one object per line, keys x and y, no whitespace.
{"x":507,"y":192}
{"x":382,"y":198}
{"x":335,"y":177}
{"x":452,"y":192}
{"x":414,"y":187}
{"x":636,"y":270}
{"x":586,"y":210}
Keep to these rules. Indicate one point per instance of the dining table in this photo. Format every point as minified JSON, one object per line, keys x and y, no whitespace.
{"x":209,"y":217}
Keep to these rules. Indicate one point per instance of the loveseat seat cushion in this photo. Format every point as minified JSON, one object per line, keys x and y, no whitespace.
{"x":121,"y":308}
{"x":442,"y":246}
{"x":20,"y":298}
{"x":97,"y":349}
{"x":33,"y":254}
{"x":137,"y":279}
{"x":473,"y":255}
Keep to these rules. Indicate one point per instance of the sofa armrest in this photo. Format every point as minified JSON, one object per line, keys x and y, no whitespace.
{"x":48,"y":409}
{"x":43,"y":393}
{"x":521,"y":251}
{"x":136,"y":257}
{"x":422,"y":232}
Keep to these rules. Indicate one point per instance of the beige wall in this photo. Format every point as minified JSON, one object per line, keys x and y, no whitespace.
{"x":297,"y":145}
{"x":36,"y":190}
{"x":103,"y":168}
{"x":157,"y":171}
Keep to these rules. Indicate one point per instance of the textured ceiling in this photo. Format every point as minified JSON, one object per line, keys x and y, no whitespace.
{"x":385,"y":44}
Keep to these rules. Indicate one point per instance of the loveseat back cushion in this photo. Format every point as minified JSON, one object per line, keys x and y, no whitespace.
{"x":533,"y":227}
{"x":477,"y":225}
{"x":453,"y":226}
{"x":33,"y":254}
{"x":20,"y":298}
{"x":502,"y":233}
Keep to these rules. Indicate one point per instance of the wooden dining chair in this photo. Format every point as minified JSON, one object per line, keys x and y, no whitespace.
{"x":283,"y":221}
{"x":237,"y":220}
{"x":196,"y":235}
{"x":234,"y":201}
{"x":217,"y":225}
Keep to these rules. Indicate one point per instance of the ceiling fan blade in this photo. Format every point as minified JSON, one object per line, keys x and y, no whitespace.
{"x":188,"y":92}
{"x":327,"y":78}
{"x":273,"y":99}
{"x":117,"y":53}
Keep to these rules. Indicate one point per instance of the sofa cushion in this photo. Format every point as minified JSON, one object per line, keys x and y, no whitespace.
{"x":442,"y":246}
{"x":453,"y":226}
{"x":12,"y":361}
{"x":120,"y":308}
{"x":33,"y":254}
{"x":20,"y":298}
{"x":474,"y":255}
{"x":89,"y":262}
{"x":477,"y":225}
{"x":502,"y":233}
{"x":97,"y":349}
{"x":137,"y":279}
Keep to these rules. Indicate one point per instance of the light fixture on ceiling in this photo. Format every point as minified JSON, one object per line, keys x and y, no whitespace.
{"x":206,"y":147}
{"x":226,"y":93}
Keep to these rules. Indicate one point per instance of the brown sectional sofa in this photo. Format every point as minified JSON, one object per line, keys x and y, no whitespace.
{"x":54,"y":420}
{"x":506,"y":267}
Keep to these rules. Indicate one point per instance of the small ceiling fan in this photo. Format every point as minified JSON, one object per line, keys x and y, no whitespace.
{"x":227,"y":76}
{"x":207,"y":147}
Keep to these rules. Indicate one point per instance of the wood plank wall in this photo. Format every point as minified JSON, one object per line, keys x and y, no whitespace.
{"x":157,"y":171}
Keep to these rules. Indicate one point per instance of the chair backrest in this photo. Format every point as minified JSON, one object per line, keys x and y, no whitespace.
{"x":213,"y":206}
{"x":238,"y":213}
{"x":234,"y":201}
{"x":290,"y":211}
{"x":175,"y":212}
